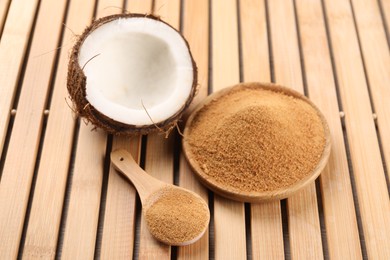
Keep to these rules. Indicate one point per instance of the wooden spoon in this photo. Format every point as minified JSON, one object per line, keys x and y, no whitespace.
{"x":174,"y":216}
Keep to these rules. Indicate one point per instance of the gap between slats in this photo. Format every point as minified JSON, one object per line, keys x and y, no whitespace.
{"x":102,"y":248}
{"x":371,"y":88}
{"x":68,"y":187}
{"x":100,"y":11}
{"x":42,"y":134}
{"x":209,"y":91}
{"x":307,"y":94}
{"x":340,"y":103}
{"x":247,"y":206}
{"x":362,"y":160}
{"x":100,"y":140}
{"x":17,"y":90}
{"x":70,"y":176}
{"x":19,"y":35}
{"x":4,"y":7}
{"x":263,"y":221}
{"x":103,"y":197}
{"x":370,"y":75}
{"x":160,"y":152}
{"x":336,"y":230}
{"x":385,"y":23}
{"x":350,"y":167}
{"x":48,"y":238}
{"x":302,"y":208}
{"x":138,"y":207}
{"x":227,"y":213}
{"x":29,"y":190}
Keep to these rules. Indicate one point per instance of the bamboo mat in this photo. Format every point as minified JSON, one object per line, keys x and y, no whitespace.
{"x":60,"y":197}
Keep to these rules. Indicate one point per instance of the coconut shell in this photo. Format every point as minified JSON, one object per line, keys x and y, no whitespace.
{"x":76,"y":84}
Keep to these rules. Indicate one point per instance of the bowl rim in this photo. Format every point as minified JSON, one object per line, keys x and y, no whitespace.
{"x":252,"y":196}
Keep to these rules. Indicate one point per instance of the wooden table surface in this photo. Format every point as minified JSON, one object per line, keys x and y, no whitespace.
{"x":60,"y":198}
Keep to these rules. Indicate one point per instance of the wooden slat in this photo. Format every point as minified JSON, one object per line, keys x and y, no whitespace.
{"x":159,"y":151}
{"x":84,"y":203}
{"x":3,"y":13}
{"x":169,"y":11}
{"x":119,"y":217}
{"x":376,"y":56}
{"x":385,"y":4}
{"x":196,"y":31}
{"x":47,"y":204}
{"x":266,"y":231}
{"x":13,"y":44}
{"x":83,"y":212}
{"x":109,"y":7}
{"x":17,"y":174}
{"x":229,"y":216}
{"x":339,"y":211}
{"x":369,"y":176}
{"x":225,"y":60}
{"x":254,"y":41}
{"x":303,"y":219}
{"x":266,"y":218}
{"x":139,"y":6}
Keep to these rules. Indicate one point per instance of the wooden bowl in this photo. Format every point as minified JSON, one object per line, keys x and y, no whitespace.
{"x":246,"y":196}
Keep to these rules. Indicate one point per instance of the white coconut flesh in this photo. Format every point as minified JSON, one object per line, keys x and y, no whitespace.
{"x":139,"y":70}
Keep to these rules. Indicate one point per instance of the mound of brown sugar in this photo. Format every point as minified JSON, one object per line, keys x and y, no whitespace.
{"x":176,"y":217}
{"x":256,"y":140}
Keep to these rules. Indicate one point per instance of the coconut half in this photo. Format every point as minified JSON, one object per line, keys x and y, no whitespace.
{"x":131,"y":73}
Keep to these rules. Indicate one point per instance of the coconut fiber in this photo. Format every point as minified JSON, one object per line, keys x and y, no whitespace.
{"x":257,"y":140}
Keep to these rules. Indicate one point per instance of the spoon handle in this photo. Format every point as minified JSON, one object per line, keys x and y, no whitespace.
{"x":143,"y":182}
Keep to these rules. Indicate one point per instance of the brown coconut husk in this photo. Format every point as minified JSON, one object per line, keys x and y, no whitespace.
{"x":76,"y":84}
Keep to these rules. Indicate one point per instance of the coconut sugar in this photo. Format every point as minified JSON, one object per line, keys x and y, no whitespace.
{"x":177,"y":217}
{"x":256,"y":140}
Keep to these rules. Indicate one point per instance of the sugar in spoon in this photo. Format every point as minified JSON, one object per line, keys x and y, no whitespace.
{"x":174,"y":215}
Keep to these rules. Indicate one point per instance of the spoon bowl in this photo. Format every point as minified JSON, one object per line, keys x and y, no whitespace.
{"x":174,"y":215}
